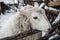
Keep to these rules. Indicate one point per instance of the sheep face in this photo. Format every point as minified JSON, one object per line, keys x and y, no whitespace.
{"x":39,"y":20}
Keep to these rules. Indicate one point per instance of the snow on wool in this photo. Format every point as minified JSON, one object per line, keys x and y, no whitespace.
{"x":22,"y":20}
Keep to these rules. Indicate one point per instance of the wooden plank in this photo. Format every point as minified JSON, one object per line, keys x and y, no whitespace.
{"x":56,"y":0}
{"x":57,"y":3}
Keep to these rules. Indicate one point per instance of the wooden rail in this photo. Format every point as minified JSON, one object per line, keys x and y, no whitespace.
{"x":28,"y":35}
{"x":57,"y":3}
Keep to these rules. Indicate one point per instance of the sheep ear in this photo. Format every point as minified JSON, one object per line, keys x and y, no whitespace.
{"x":42,"y":10}
{"x":36,"y":4}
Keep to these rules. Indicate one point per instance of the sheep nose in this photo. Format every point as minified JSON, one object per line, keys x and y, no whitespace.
{"x":49,"y":29}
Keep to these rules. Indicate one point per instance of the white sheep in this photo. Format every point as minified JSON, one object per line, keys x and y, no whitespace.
{"x":25,"y":17}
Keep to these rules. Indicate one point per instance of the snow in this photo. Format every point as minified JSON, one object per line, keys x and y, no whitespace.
{"x":10,"y":1}
{"x":21,"y":1}
{"x":41,"y":5}
{"x":43,"y":0}
{"x":1,"y":0}
{"x":57,"y":19}
{"x":50,"y":8}
{"x":53,"y":37}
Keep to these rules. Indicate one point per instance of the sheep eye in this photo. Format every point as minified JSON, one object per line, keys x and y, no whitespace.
{"x":35,"y":17}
